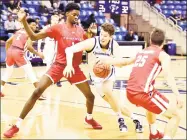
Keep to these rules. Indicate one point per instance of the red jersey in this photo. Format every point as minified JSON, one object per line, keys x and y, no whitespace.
{"x":20,"y":39}
{"x":66,"y":37}
{"x":146,"y":68}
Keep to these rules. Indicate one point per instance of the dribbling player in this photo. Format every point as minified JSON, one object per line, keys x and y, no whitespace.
{"x":16,"y":46}
{"x":140,"y":87}
{"x":65,"y":34}
{"x":99,"y":47}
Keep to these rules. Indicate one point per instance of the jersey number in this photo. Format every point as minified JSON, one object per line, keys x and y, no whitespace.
{"x":18,"y":37}
{"x":140,"y":61}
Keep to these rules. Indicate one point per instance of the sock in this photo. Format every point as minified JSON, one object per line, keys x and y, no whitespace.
{"x":153,"y":129}
{"x":119,"y":115}
{"x":2,"y":88}
{"x":167,"y":137}
{"x":19,"y":122}
{"x":89,"y":116}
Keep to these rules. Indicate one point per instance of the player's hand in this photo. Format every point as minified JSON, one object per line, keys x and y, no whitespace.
{"x":179,"y":102}
{"x":40,"y":54}
{"x":68,"y":71}
{"x":93,"y":28}
{"x":21,"y":15}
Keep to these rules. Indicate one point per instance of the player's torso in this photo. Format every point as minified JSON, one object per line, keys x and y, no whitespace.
{"x":146,"y":68}
{"x":99,"y":52}
{"x":67,"y":38}
{"x":20,"y":39}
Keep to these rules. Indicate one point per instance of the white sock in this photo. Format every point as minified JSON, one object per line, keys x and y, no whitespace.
{"x":2,"y":88}
{"x":153,"y":129}
{"x":19,"y":122}
{"x":167,"y":137}
{"x":89,"y":116}
{"x":119,"y":114}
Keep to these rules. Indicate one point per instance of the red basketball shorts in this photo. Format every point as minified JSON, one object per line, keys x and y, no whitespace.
{"x":16,"y":56}
{"x":55,"y":73}
{"x":154,"y":101}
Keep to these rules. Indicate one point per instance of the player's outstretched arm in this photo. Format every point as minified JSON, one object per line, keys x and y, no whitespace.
{"x":33,"y":36}
{"x":85,"y":45}
{"x":117,"y":60}
{"x":166,"y":62}
{"x":9,"y":42}
{"x":32,"y":50}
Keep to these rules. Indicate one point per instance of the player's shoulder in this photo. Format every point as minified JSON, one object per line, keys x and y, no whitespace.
{"x":115,"y":43}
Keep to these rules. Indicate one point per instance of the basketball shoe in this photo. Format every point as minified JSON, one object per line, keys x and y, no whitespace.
{"x":122,"y":125}
{"x":11,"y":132}
{"x":58,"y":84}
{"x":92,"y":123}
{"x":159,"y":135}
{"x":138,"y":126}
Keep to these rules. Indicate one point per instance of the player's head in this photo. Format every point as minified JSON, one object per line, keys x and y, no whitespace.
{"x":32,"y":23}
{"x":72,"y":12}
{"x":157,"y":38}
{"x":54,"y":19}
{"x":106,"y":33}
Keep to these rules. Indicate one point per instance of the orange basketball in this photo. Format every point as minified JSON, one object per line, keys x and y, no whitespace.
{"x":101,"y":70}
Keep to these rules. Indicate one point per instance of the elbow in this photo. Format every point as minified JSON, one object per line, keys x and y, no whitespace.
{"x":33,"y":38}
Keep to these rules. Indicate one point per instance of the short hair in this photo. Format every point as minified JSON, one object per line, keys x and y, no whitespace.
{"x":157,"y":37}
{"x":72,"y":6}
{"x":30,"y":20}
{"x":107,"y":27}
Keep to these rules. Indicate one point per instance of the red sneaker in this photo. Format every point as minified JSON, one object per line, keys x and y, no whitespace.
{"x":92,"y":123}
{"x":10,"y":133}
{"x":1,"y":94}
{"x":159,"y":135}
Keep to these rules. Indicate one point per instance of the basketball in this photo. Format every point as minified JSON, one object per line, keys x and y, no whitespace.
{"x":101,"y":70}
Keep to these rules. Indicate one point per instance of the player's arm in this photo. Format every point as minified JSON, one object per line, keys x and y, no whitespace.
{"x":32,"y":50}
{"x":9,"y":42}
{"x":117,"y":60}
{"x":86,"y":45}
{"x":166,"y":62}
{"x":33,"y":36}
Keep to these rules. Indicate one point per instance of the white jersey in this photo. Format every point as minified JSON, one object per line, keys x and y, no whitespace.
{"x":50,"y":49}
{"x":98,"y":52}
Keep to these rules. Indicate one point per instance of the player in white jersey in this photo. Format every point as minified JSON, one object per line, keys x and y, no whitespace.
{"x":50,"y":47}
{"x":98,"y":48}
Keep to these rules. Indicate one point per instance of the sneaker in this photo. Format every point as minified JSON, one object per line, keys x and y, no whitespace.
{"x":1,"y":94}
{"x":92,"y":123}
{"x":122,"y":125}
{"x":138,"y":126}
{"x":42,"y":98}
{"x":159,"y":135}
{"x":58,"y":84}
{"x":11,"y":132}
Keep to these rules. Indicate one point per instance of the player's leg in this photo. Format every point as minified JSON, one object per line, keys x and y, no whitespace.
{"x":173,"y":123}
{"x":105,"y":89}
{"x":32,"y":76}
{"x":5,"y":77}
{"x":85,"y":89}
{"x":44,"y":83}
{"x":9,"y":69}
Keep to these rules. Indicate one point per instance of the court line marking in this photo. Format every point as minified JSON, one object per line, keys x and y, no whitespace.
{"x":44,"y":103}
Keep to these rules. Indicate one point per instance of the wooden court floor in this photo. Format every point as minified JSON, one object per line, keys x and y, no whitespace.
{"x":61,"y":116}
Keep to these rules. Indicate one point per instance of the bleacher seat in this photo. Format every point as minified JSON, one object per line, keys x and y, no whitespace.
{"x":4,"y":17}
{"x":28,"y":2}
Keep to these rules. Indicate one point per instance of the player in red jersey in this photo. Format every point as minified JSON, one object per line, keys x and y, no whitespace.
{"x":16,"y":46}
{"x":65,"y":34}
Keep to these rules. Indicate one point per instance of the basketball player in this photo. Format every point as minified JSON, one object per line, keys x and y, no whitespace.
{"x":65,"y":34}
{"x":50,"y":47}
{"x":99,"y":47}
{"x":140,"y":88}
{"x":16,"y":46}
